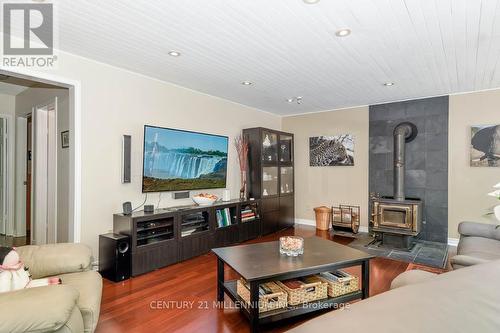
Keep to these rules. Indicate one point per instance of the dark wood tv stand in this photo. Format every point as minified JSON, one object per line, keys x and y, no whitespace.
{"x":174,"y":234}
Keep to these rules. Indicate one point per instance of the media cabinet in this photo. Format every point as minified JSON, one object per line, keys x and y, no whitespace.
{"x":174,"y":234}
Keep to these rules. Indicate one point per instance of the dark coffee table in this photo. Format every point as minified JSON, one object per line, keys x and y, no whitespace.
{"x":262,"y":262}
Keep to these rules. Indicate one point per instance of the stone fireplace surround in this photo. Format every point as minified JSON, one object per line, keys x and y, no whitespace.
{"x":426,"y":160}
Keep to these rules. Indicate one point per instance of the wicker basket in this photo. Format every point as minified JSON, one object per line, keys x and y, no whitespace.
{"x":306,"y":293}
{"x":276,"y":300}
{"x":323,"y":217}
{"x":347,"y":286}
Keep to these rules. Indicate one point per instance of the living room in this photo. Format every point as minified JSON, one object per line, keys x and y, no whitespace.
{"x":335,"y":146}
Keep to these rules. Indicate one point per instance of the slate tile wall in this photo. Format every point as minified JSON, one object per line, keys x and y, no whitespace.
{"x":426,"y":158}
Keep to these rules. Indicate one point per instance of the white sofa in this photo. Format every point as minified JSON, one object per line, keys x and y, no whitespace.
{"x":72,"y":307}
{"x":465,"y":300}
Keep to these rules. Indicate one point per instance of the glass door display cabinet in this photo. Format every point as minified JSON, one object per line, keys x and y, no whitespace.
{"x":271,"y":176}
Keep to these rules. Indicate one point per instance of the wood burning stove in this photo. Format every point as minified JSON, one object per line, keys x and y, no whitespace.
{"x":403,"y":216}
{"x":397,"y":220}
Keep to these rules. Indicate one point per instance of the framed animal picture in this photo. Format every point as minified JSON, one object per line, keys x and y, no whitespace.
{"x":485,"y":146}
{"x":337,"y":150}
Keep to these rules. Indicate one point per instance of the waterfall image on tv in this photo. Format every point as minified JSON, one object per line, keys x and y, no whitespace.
{"x":181,"y":160}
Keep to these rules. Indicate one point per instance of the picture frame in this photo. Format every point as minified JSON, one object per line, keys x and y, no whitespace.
{"x":485,"y":146}
{"x":336,"y":150}
{"x":65,"y":139}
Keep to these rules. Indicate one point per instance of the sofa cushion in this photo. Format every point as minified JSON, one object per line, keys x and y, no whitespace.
{"x":74,"y":323}
{"x":479,"y":247}
{"x":465,"y":300}
{"x":41,"y":309}
{"x":89,"y":284}
{"x":411,"y":277}
{"x":479,"y":230}
{"x":54,"y":259}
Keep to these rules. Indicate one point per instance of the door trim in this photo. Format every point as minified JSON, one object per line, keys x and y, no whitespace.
{"x":44,"y":175}
{"x":21,"y":176}
{"x":9,"y":223}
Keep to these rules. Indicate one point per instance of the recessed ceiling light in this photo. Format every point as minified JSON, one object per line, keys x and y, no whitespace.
{"x":247,"y":83}
{"x":343,"y":32}
{"x":174,"y":53}
{"x":388,"y":84}
{"x":297,"y":100}
{"x":311,"y":2}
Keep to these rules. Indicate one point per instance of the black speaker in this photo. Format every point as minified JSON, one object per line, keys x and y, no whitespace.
{"x":127,"y":157}
{"x":149,"y":208}
{"x":114,"y":257}
{"x":127,"y":208}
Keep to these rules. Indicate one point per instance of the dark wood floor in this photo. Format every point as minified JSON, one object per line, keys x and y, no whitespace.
{"x":189,"y":290}
{"x":14,"y":241}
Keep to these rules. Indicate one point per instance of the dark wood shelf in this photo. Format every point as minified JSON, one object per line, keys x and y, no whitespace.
{"x":168,"y":233}
{"x":227,"y":226}
{"x":169,"y":246}
{"x":171,"y":224}
{"x":154,"y":243}
{"x":257,"y":219}
{"x":194,"y":233}
{"x":278,"y":210}
{"x":290,"y":311}
{"x":193,"y":221}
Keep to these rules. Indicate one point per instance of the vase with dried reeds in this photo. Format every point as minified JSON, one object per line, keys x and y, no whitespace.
{"x":241,"y":144}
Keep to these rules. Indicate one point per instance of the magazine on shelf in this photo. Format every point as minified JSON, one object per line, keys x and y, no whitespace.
{"x":336,"y":276}
{"x":299,"y":282}
{"x":263,"y":289}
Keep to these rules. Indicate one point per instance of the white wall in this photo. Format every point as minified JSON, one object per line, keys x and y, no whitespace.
{"x":467,"y":199}
{"x":468,"y":185}
{"x":317,"y":186}
{"x":116,"y":102}
{"x":25,"y":101}
{"x":7,"y":107}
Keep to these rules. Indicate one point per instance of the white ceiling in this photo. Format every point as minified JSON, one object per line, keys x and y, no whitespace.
{"x":288,"y":48}
{"x":11,"y":89}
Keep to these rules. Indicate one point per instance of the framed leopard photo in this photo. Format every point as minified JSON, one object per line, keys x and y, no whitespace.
{"x":337,"y":150}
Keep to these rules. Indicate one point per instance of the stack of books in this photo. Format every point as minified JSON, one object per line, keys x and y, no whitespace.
{"x":247,"y":215}
{"x":223,"y":217}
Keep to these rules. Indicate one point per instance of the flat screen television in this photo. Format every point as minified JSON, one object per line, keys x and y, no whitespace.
{"x":176,"y":160}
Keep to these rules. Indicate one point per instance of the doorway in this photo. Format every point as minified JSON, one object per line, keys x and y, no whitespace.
{"x":41,"y":110}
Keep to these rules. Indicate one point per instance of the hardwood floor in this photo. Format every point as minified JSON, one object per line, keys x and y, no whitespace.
{"x":180,"y":298}
{"x":14,"y":241}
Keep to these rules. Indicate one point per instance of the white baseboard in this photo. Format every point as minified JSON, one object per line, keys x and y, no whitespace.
{"x":362,"y":228}
{"x":451,"y":241}
{"x":305,"y":222}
